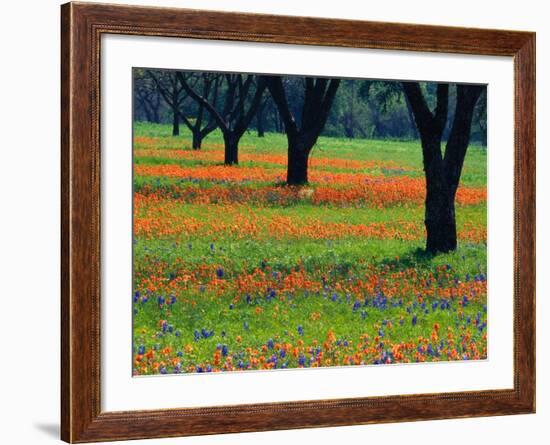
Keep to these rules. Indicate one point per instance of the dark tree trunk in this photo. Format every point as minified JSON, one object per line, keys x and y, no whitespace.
{"x":231,"y":149}
{"x":197,"y":139}
{"x":298,"y":157}
{"x":260,"y":122}
{"x":439,"y":210}
{"x":176,"y":124}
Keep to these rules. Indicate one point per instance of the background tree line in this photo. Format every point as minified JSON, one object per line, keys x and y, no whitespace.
{"x":372,"y":109}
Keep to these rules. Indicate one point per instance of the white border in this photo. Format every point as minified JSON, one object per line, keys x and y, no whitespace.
{"x":122,"y":392}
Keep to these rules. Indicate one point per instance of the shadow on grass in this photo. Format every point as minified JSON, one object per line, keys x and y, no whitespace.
{"x":414,"y":258}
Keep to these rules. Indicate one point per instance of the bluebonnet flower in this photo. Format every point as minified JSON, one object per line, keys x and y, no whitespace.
{"x":300,"y":330}
{"x":334,"y":297}
{"x":248,"y":298}
{"x":301,"y":360}
{"x":136,"y":297}
{"x":219,"y":272}
{"x":231,"y":306}
{"x":141,"y":350}
{"x":246,"y":325}
{"x":363,"y":314}
{"x":197,"y":335}
{"x":225,"y":351}
{"x":282,"y":353}
{"x":163,"y":370}
{"x":356,"y":306}
{"x":172,"y":299}
{"x":212,"y":248}
{"x":430,"y":350}
{"x":414,"y":320}
{"x":160,"y":300}
{"x":179,"y":354}
{"x":270,"y":343}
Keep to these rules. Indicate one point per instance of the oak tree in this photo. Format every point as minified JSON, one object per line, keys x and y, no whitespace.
{"x":318,"y":96}
{"x":442,"y":170}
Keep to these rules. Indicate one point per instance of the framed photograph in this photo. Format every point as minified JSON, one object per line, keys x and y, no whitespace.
{"x":274,"y":222}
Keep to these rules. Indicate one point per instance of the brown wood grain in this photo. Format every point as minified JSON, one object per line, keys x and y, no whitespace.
{"x":81,"y":28}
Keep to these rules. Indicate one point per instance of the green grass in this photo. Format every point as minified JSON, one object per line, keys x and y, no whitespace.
{"x":210,"y":273}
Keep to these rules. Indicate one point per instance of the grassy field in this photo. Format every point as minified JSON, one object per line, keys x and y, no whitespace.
{"x":233,"y":270}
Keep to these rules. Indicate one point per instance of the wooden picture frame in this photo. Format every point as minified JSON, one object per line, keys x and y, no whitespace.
{"x":82,"y":26}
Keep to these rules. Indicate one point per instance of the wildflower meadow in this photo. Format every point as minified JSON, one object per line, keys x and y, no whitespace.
{"x":236,"y":271}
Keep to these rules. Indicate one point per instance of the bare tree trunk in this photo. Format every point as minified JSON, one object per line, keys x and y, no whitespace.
{"x":440,"y":209}
{"x":197,"y":139}
{"x":260,"y":122}
{"x":176,"y":124}
{"x":298,"y":157}
{"x":231,"y":148}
